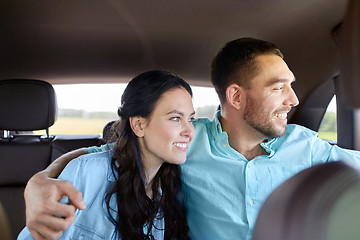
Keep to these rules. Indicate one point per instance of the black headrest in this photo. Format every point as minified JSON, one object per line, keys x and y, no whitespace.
{"x":27,"y":104}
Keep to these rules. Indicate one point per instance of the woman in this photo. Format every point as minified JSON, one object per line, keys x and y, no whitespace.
{"x":133,"y":191}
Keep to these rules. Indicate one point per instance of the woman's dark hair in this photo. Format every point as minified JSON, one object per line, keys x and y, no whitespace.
{"x":134,"y":208}
{"x":108,"y":132}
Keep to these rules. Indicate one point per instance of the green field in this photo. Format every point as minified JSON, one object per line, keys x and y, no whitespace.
{"x":76,"y":125}
{"x":328,"y":136}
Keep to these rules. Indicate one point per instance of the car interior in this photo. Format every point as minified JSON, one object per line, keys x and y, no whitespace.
{"x":47,"y":42}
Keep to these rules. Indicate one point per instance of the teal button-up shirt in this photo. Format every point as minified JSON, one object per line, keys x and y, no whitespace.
{"x":224,"y":191}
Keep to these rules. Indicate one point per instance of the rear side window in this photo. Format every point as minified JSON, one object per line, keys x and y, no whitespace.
{"x":327,"y":129}
{"x":86,"y":108}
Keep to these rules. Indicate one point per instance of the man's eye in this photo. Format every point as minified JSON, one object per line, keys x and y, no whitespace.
{"x":279,"y":87}
{"x":191,"y":119}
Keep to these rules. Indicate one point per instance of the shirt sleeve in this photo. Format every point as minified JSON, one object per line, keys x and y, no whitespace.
{"x":102,"y":148}
{"x":25,"y":235}
{"x":324,"y":152}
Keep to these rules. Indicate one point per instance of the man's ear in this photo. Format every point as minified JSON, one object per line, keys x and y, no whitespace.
{"x":235,"y":96}
{"x":138,"y":125}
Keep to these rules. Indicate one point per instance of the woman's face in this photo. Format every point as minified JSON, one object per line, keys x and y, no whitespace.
{"x":168,"y":132}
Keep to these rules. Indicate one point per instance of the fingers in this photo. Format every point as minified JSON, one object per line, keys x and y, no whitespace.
{"x":73,"y":194}
{"x":36,"y":235}
{"x":56,"y":212}
{"x":49,"y":235}
{"x":46,"y":217}
{"x":53,"y":228}
{"x":47,"y":226}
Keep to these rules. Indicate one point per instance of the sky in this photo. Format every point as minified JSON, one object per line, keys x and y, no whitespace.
{"x":106,"y":97}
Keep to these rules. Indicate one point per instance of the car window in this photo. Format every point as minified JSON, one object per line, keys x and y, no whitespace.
{"x":327,"y":129}
{"x":86,"y":108}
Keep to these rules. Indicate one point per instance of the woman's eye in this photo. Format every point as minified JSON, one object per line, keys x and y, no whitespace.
{"x":191,"y":119}
{"x":176,"y":119}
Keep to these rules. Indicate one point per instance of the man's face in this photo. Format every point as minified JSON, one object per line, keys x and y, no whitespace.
{"x":270,"y":97}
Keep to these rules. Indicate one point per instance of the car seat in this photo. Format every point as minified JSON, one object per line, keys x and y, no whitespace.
{"x":25,"y":105}
{"x":4,"y":225}
{"x":321,"y":202}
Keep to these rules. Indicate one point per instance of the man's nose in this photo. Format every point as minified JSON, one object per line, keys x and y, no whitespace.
{"x":292,"y":99}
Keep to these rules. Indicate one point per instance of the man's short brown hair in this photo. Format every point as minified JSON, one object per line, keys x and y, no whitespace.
{"x":235,"y":63}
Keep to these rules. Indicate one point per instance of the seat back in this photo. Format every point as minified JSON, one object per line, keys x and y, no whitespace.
{"x":4,"y":225}
{"x":66,"y":143}
{"x":25,"y":105}
{"x":321,"y":202}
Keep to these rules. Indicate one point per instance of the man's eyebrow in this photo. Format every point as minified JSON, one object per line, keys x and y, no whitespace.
{"x":281,"y":80}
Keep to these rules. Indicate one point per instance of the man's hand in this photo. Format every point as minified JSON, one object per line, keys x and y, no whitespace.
{"x":46,"y":218}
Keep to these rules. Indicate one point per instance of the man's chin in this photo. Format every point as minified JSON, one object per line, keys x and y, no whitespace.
{"x":281,"y":132}
{"x":277,"y":133}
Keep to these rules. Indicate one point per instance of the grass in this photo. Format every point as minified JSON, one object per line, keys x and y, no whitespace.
{"x":76,"y":125}
{"x":328,"y":135}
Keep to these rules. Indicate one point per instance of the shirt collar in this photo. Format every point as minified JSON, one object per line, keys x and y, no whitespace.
{"x":267,"y":145}
{"x":216,"y":123}
{"x":111,"y":172}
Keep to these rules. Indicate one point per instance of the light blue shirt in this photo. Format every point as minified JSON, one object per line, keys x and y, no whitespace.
{"x":92,"y":175}
{"x":224,"y":191}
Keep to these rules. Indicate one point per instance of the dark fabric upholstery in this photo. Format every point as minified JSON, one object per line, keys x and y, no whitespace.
{"x":27,"y":105}
{"x":4,"y":225}
{"x":23,"y":157}
{"x":321,"y":202}
{"x":66,"y":143}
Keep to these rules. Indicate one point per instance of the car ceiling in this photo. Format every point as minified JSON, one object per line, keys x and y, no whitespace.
{"x":81,"y":41}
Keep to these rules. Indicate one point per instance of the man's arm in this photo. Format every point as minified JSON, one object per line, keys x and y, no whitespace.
{"x":46,"y":218}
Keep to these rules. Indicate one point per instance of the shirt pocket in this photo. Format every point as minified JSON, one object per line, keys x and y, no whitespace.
{"x":81,"y":232}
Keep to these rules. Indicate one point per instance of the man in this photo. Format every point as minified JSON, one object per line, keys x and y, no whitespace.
{"x":234,"y":161}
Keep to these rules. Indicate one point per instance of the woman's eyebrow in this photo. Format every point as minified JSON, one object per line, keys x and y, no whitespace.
{"x":175,"y":112}
{"x":179,"y":112}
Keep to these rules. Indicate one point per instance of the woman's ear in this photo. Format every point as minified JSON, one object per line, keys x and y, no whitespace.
{"x":138,"y":125}
{"x":235,"y":96}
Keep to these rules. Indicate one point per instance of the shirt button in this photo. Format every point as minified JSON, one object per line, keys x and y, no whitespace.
{"x":249,"y":165}
{"x":224,"y":145}
{"x":251,"y":202}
